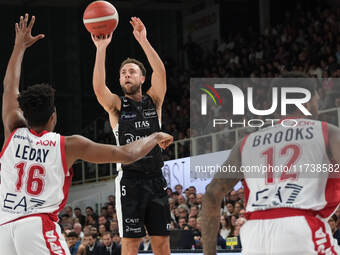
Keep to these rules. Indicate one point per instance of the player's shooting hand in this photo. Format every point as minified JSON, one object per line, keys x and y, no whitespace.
{"x":101,"y":41}
{"x":139,"y":30}
{"x":164,"y":140}
{"x":23,"y":36}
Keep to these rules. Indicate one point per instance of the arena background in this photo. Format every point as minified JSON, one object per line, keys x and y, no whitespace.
{"x":194,"y":38}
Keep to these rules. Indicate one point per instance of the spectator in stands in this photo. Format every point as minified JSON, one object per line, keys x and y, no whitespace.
{"x":111,"y":199}
{"x":169,"y":191}
{"x":229,"y":208}
{"x":191,"y":199}
{"x":192,"y":190}
{"x":225,"y":226}
{"x":103,"y":212}
{"x":182,"y":223}
{"x":73,"y":242}
{"x":102,"y":221}
{"x":90,"y":220}
{"x":335,"y":230}
{"x":145,"y":244}
{"x":192,"y":223}
{"x":180,"y":200}
{"x":193,"y":211}
{"x":179,"y":189}
{"x":66,"y":222}
{"x":101,"y":230}
{"x":114,"y":226}
{"x":93,"y":247}
{"x":78,"y":229}
{"x":69,"y":211}
{"x":116,"y":238}
{"x":110,"y":212}
{"x":79,"y":215}
{"x":89,"y":211}
{"x":237,"y":208}
{"x":199,"y":200}
{"x":109,"y":247}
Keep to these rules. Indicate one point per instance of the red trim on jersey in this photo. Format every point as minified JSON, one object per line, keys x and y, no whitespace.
{"x":63,"y":155}
{"x":243,"y":142}
{"x":276,"y":213}
{"x":38,"y":134}
{"x":246,"y":192}
{"x":324,"y":127}
{"x":320,"y":237}
{"x":332,"y":197}
{"x":5,"y":146}
{"x":51,"y":236}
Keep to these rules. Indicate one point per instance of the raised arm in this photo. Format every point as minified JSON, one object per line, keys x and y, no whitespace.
{"x":109,"y":101}
{"x":79,"y":147}
{"x":11,"y":115}
{"x":158,"y":79}
{"x":216,"y":190}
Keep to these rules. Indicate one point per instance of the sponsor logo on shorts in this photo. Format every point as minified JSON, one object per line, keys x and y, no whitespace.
{"x":149,"y":113}
{"x":133,"y":230}
{"x":131,"y":220}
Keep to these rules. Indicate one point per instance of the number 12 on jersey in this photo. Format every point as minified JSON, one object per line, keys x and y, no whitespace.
{"x":34,"y":180}
{"x":291,"y":149}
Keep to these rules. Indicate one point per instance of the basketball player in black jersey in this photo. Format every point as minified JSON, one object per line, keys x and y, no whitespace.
{"x":141,"y":197}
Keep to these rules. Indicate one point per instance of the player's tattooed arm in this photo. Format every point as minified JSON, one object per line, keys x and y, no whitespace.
{"x":215,"y":191}
{"x":158,"y":79}
{"x":11,"y":115}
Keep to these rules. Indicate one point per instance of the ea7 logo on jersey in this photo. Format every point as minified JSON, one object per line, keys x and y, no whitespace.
{"x":142,"y":124}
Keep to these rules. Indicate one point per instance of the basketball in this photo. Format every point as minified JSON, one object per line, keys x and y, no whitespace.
{"x":100,"y":18}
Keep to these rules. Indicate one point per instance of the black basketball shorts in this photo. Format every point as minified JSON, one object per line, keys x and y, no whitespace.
{"x":142,"y":203}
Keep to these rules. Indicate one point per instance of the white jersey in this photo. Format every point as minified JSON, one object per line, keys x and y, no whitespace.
{"x":34,"y":175}
{"x":268,"y":154}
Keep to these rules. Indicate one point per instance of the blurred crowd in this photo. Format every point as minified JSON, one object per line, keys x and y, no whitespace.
{"x":97,"y":233}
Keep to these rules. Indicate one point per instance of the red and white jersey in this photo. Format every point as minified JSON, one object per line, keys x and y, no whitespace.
{"x":287,"y":166}
{"x":34,"y":175}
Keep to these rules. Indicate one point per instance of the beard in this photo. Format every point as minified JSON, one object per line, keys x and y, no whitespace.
{"x":131,"y":90}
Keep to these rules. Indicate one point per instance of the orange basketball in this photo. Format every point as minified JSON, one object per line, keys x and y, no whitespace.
{"x":100,"y":18}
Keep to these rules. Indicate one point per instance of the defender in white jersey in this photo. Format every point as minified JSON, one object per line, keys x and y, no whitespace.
{"x":36,"y":162}
{"x":286,"y":210}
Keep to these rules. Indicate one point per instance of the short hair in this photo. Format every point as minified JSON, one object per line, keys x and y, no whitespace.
{"x":72,"y":234}
{"x":108,"y":233}
{"x":133,"y":61}
{"x":94,"y":236}
{"x":334,"y":217}
{"x":37,"y":104}
{"x":77,"y":208}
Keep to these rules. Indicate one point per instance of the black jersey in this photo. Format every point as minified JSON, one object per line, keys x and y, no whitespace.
{"x":138,"y":120}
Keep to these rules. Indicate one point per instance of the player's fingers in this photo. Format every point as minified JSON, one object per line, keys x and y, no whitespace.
{"x":30,"y":25}
{"x":38,"y":37}
{"x":16,"y":26}
{"x":21,"y":22}
{"x":25,"y":20}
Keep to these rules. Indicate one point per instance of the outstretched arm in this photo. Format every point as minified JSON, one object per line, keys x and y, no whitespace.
{"x":158,"y":79}
{"x":11,"y":115}
{"x":79,"y":147}
{"x":108,"y":100}
{"x":216,"y":190}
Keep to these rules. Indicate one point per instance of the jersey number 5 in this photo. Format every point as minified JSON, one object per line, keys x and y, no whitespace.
{"x":34,"y":181}
{"x":295,"y":153}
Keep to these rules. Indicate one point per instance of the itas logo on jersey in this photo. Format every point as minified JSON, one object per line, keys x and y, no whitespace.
{"x":143,"y":124}
{"x":149,"y":113}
